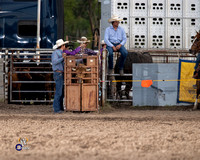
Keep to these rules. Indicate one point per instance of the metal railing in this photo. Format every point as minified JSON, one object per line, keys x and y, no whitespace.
{"x":42,"y":57}
{"x":159,"y":56}
{"x":23,"y":62}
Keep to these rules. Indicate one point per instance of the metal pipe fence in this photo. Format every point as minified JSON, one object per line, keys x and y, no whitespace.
{"x":38,"y":62}
{"x":162,"y":56}
{"x":28,"y":76}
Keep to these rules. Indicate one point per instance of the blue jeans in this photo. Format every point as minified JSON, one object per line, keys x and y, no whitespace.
{"x":59,"y":95}
{"x":123,"y":52}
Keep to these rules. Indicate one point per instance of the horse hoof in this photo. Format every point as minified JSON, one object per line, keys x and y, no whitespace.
{"x":194,"y":108}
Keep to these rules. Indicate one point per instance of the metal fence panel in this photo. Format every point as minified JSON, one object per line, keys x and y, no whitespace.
{"x":28,"y":75}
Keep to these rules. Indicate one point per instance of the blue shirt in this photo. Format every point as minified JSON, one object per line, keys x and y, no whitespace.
{"x":57,"y":60}
{"x":113,"y":36}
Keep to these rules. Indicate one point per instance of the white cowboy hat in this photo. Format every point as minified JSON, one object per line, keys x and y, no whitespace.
{"x":103,"y":42}
{"x":114,"y":18}
{"x":59,"y":43}
{"x":83,"y":40}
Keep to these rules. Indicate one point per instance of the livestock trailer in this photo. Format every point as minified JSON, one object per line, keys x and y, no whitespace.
{"x":18,"y":23}
{"x":154,"y":24}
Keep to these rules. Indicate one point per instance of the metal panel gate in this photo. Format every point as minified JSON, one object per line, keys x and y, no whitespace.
{"x":28,"y":76}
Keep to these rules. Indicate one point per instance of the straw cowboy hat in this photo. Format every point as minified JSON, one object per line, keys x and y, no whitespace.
{"x":83,"y":40}
{"x":59,"y":43}
{"x":103,"y":42}
{"x":114,"y":18}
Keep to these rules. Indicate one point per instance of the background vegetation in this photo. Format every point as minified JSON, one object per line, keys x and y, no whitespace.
{"x":81,"y":18}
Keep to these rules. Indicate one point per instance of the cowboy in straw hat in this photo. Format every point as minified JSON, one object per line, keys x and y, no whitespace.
{"x":77,"y":50}
{"x":114,"y":18}
{"x":115,"y":38}
{"x":84,"y":49}
{"x":83,"y":40}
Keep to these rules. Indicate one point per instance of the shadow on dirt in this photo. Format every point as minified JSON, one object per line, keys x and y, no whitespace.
{"x":128,"y":106}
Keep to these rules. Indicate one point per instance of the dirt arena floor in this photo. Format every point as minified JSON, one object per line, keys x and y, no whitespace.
{"x":153,"y":133}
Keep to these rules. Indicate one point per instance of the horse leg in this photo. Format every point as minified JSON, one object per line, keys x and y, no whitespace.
{"x":195,"y":104}
{"x":127,"y":89}
{"x":197,"y":96}
{"x":196,"y":101}
{"x":118,"y":92}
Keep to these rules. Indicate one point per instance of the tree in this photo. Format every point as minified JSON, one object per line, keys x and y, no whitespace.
{"x":81,"y":18}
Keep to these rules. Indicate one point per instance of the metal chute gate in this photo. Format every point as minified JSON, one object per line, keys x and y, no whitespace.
{"x":28,"y":76}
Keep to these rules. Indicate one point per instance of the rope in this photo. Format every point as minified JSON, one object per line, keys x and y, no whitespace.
{"x":169,"y":80}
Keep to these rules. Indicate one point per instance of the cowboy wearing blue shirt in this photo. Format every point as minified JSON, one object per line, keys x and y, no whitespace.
{"x":115,"y":38}
{"x":57,"y":59}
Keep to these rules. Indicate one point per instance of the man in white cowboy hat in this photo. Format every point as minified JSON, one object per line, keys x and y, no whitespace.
{"x":57,"y":59}
{"x":115,"y":38}
{"x":84,"y":49}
